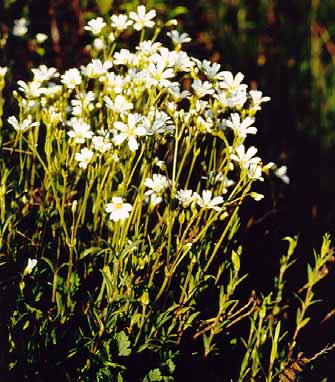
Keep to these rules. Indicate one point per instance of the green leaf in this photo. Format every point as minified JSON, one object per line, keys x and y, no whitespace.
{"x":171,"y":365}
{"x":235,"y":258}
{"x":293,"y":241}
{"x":154,"y":375}
{"x":123,"y":344}
{"x":274,"y":348}
{"x":304,"y":322}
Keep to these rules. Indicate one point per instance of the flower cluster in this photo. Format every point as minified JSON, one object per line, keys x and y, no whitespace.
{"x":131,"y":102}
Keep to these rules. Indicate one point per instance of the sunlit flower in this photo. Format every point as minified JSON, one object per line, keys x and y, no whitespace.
{"x":31,"y":89}
{"x":83,"y":104}
{"x":153,"y":199}
{"x":157,"y":184}
{"x":52,"y":90}
{"x":3,"y":71}
{"x":96,"y":68}
{"x":245,"y":158}
{"x":178,"y":38}
{"x":95,"y":26}
{"x":212,"y":70}
{"x":158,"y":122}
{"x":114,"y":82}
{"x":99,"y":143}
{"x":254,"y":171}
{"x":185,"y":197}
{"x":30,"y":266}
{"x":202,"y":88}
{"x":121,"y":22}
{"x":233,"y":99}
{"x":160,"y":74}
{"x":232,"y":83}
{"x":20,"y":27}
{"x":129,"y":131}
{"x":22,"y":126}
{"x":281,"y":173}
{"x":241,"y":129}
{"x":43,"y":73}
{"x":256,"y":196}
{"x":176,"y":93}
{"x":81,"y":130}
{"x":257,"y":99}
{"x":71,"y":78}
{"x":41,"y":37}
{"x":84,"y":157}
{"x":124,"y":57}
{"x":119,"y":105}
{"x":182,"y":62}
{"x":206,"y":201}
{"x":98,"y":44}
{"x":118,"y":210}
{"x":142,"y":19}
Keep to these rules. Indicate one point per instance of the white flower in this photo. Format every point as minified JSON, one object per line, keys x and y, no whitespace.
{"x":83,"y":104}
{"x":202,"y":88}
{"x":114,"y":83}
{"x":43,"y":73}
{"x":142,"y":19}
{"x":81,"y":130}
{"x":204,"y":125}
{"x":160,"y":164}
{"x":52,"y":90}
{"x":118,"y":209}
{"x":211,"y":69}
{"x":41,"y":37}
{"x":84,"y":157}
{"x":120,"y":104}
{"x":177,"y":38}
{"x":120,"y":22}
{"x":22,"y":126}
{"x":185,"y":197}
{"x":31,"y":90}
{"x":254,"y":171}
{"x":232,"y":83}
{"x":148,"y":48}
{"x":241,"y":129}
{"x":157,"y":184}
{"x":95,"y":26}
{"x":3,"y":71}
{"x":245,"y":158}
{"x":158,"y":122}
{"x":20,"y":27}
{"x":281,"y":173}
{"x":100,"y":144}
{"x":207,"y":202}
{"x":111,"y":37}
{"x":232,"y":99}
{"x":256,"y":196}
{"x":124,"y":57}
{"x":96,"y":68}
{"x":182,"y":62}
{"x":257,"y":99}
{"x":178,"y":95}
{"x":129,"y":131}
{"x":160,"y":74}
{"x":98,"y":44}
{"x":30,"y":266}
{"x":71,"y":78}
